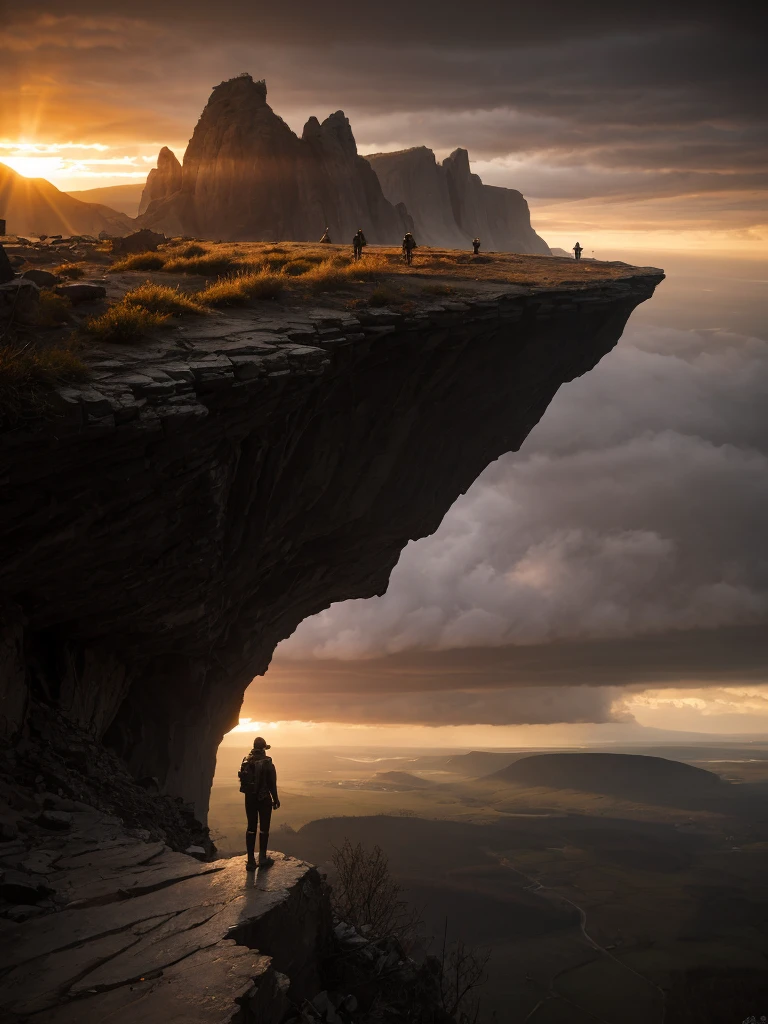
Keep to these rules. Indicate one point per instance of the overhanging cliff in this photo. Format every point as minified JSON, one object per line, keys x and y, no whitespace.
{"x":181,"y":514}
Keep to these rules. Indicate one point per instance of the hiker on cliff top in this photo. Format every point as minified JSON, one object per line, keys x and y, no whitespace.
{"x":476,"y":246}
{"x":326,"y":239}
{"x":358,"y":241}
{"x":577,"y":251}
{"x":258,"y":780}
{"x":409,"y":244}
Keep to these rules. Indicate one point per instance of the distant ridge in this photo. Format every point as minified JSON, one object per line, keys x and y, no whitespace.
{"x":122,"y":198}
{"x":34,"y":205}
{"x":623,"y":775}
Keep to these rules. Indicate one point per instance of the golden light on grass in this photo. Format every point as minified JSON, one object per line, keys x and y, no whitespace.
{"x":162,"y":298}
{"x":240,"y":289}
{"x":124,"y":322}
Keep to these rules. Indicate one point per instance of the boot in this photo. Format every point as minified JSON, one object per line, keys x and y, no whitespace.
{"x":264,"y":860}
{"x":250,"y":846}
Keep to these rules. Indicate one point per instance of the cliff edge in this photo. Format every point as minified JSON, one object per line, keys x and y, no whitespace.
{"x":207,"y":490}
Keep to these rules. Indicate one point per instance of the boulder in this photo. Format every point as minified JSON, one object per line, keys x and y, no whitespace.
{"x":81,"y":292}
{"x":58,"y":821}
{"x":140,"y":241}
{"x":42,"y":278}
{"x":6,"y":270}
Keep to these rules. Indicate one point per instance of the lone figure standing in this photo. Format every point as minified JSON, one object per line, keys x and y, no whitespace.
{"x":258,"y":780}
{"x":476,"y":245}
{"x":577,"y":251}
{"x":409,"y":244}
{"x":358,"y":241}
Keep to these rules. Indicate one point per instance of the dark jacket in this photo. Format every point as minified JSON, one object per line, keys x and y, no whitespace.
{"x":258,"y":776}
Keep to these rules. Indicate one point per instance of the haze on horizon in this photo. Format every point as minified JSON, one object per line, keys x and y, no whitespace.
{"x":642,"y":127}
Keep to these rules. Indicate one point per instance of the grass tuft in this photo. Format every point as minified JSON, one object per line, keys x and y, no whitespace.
{"x":189,"y":251}
{"x":52,"y":309}
{"x":240,"y":289}
{"x":139,"y":261}
{"x":208,"y":265}
{"x":124,"y":322}
{"x":70,"y":270}
{"x":27,"y":375}
{"x":296,"y":268}
{"x":160,"y":298}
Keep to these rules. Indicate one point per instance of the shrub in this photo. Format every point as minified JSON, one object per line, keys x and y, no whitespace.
{"x":295,"y":268}
{"x":208,"y":265}
{"x":366,"y":895}
{"x":53,"y":309}
{"x":241,"y":289}
{"x":70,"y":270}
{"x":160,"y":298}
{"x":27,"y":374}
{"x":124,"y":322}
{"x":139,"y":261}
{"x":384,"y":296}
{"x":193,"y":250}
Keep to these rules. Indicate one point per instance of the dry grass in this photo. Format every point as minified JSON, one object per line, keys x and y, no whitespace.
{"x":240,"y":289}
{"x":52,"y":309}
{"x":139,"y":261}
{"x":161,"y":298}
{"x":209,"y":264}
{"x":71,"y":270}
{"x":124,"y":322}
{"x":27,"y":375}
{"x":341,"y":271}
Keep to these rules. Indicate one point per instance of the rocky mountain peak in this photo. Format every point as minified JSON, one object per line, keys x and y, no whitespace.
{"x":163,"y":181}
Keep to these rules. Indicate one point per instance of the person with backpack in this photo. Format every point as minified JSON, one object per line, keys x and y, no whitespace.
{"x":475,"y":246}
{"x":358,"y":241}
{"x":577,"y":251}
{"x":409,"y":244}
{"x":258,"y":781}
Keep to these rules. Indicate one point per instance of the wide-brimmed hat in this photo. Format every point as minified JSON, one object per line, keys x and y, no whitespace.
{"x":261,"y":742}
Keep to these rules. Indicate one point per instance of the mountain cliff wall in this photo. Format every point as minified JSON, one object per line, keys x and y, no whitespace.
{"x":187,"y":508}
{"x":246,"y":175}
{"x":450,"y":205}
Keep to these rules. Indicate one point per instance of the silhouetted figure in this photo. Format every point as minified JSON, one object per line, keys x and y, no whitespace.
{"x":358,"y":242}
{"x":409,"y":244}
{"x":326,"y":239}
{"x":476,"y":245}
{"x":577,"y":251}
{"x":258,"y":780}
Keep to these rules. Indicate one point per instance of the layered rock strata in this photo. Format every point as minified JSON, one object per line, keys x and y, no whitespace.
{"x":207,"y":491}
{"x":247,"y":176}
{"x":450,"y":205}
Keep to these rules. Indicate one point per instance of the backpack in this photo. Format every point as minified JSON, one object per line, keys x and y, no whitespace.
{"x":253,"y":776}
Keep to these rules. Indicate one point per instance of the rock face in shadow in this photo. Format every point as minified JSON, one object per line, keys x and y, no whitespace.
{"x":246,"y":175}
{"x":163,"y":181}
{"x":187,"y":508}
{"x":450,"y":205}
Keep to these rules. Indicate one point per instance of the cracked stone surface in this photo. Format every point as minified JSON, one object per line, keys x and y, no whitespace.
{"x":157,"y":936}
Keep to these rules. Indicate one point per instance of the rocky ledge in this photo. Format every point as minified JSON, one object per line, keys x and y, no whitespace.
{"x":182,"y":513}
